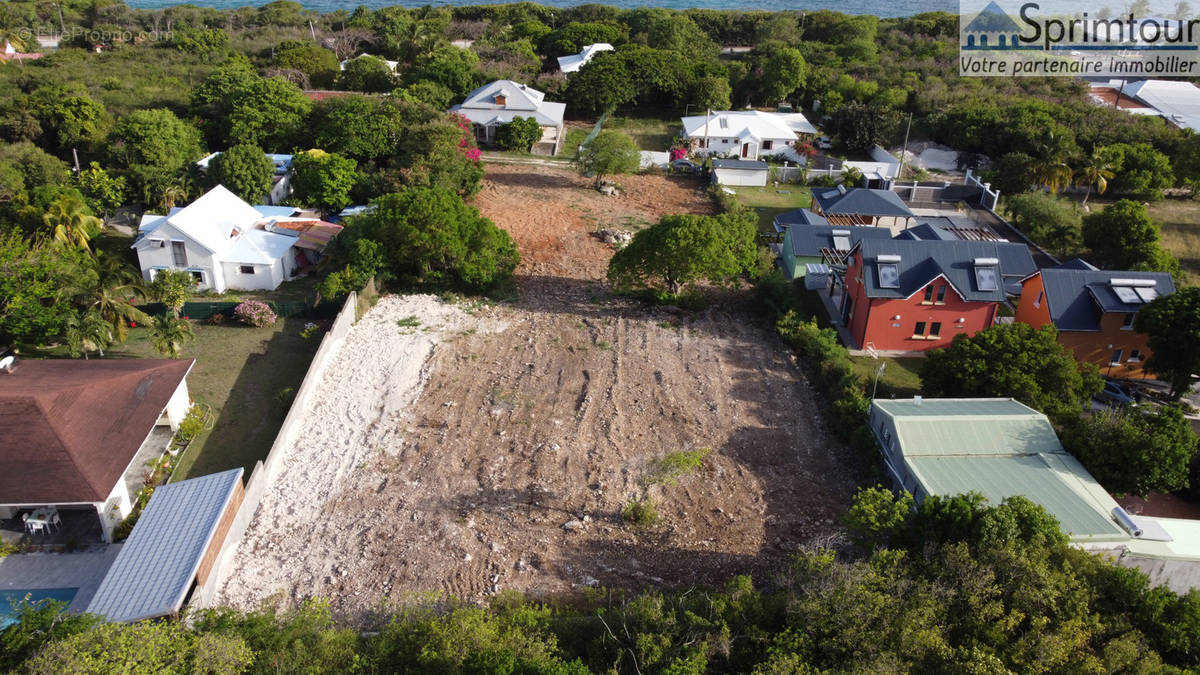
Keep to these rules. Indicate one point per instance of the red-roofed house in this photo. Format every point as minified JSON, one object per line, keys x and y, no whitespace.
{"x":72,"y":430}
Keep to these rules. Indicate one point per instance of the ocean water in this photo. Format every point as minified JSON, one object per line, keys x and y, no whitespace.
{"x":890,"y":8}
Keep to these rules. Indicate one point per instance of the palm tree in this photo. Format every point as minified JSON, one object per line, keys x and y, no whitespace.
{"x":175,"y":192}
{"x":1051,"y":168}
{"x":88,"y":332}
{"x":71,"y":223}
{"x":1096,"y":171}
{"x":168,"y":334}
{"x":114,"y":288}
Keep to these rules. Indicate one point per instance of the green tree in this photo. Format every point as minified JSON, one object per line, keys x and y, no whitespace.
{"x":108,"y":286}
{"x":1095,"y":172}
{"x":1013,"y":360}
{"x":1051,"y":221}
{"x":323,"y":180}
{"x":1124,"y":237}
{"x":1134,"y":450}
{"x":609,"y":153}
{"x":1172,"y":324}
{"x":360,"y":127}
{"x":238,"y":106}
{"x":783,"y":74}
{"x":172,"y":288}
{"x":519,"y":134}
{"x":574,"y":36}
{"x":430,"y":235}
{"x":604,"y":83}
{"x":245,"y":170}
{"x":199,"y":40}
{"x":70,"y":222}
{"x":320,"y":65}
{"x":367,"y":73}
{"x":453,"y":68}
{"x":440,"y":153}
{"x":169,"y":333}
{"x":33,"y":283}
{"x":877,"y":515}
{"x":155,"y":138}
{"x":430,"y":93}
{"x":1139,"y":169}
{"x":68,"y":120}
{"x":861,"y":126}
{"x":103,"y":191}
{"x":86,"y":332}
{"x":682,"y":249}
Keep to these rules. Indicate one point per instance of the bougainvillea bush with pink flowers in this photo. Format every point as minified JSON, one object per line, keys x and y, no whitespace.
{"x":255,"y":313}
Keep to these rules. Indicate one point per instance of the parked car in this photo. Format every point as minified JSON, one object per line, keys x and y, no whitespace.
{"x":685,"y":166}
{"x":1116,"y":394}
{"x":825,"y":143}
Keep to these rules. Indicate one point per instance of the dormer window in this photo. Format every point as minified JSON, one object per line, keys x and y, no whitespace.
{"x":987,"y":275}
{"x":501,"y":99}
{"x":889,"y":270}
{"x":1134,"y":291}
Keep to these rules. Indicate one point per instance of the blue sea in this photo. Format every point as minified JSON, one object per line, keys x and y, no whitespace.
{"x":890,"y":8}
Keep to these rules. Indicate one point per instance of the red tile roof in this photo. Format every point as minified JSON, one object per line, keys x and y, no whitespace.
{"x":69,"y":429}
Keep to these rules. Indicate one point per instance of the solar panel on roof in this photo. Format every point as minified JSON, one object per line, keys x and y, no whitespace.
{"x":1146,"y":293}
{"x":841,"y":243}
{"x":889,"y":275}
{"x":1127,"y":295}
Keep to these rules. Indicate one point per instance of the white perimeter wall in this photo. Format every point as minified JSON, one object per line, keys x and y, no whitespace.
{"x":265,"y":471}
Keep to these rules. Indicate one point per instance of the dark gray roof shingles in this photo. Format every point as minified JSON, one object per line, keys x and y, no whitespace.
{"x":861,"y":201}
{"x":922,"y":261}
{"x":1074,"y":294}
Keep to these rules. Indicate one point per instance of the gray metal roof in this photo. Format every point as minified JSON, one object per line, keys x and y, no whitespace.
{"x":1077,"y":298}
{"x":923,"y":261}
{"x":808,"y":240}
{"x":860,"y":201}
{"x":741,"y":164}
{"x":999,"y":448}
{"x":799,"y":217}
{"x":928,"y":231}
{"x":155,"y":568}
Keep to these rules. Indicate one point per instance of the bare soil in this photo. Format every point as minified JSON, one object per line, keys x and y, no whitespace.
{"x":532,"y":433}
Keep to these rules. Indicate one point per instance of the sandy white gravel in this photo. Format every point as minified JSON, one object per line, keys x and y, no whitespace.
{"x":360,"y":408}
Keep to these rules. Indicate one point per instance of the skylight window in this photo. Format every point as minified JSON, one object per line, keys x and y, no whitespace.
{"x":889,"y":271}
{"x":1146,"y":293}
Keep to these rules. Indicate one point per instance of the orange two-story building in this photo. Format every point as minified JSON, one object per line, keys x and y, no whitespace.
{"x":914,"y":295}
{"x":1094,"y":311}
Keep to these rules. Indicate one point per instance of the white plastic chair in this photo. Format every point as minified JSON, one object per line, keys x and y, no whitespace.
{"x":56,"y":521}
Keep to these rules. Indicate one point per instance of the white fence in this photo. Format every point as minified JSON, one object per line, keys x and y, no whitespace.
{"x":882,"y":163}
{"x":265,"y":471}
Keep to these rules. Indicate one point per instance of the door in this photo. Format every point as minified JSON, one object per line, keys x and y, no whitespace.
{"x":745,"y":150}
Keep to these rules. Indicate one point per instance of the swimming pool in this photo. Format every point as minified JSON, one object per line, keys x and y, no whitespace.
{"x":11,"y":600}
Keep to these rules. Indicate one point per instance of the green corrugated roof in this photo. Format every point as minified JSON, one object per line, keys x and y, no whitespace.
{"x":1057,"y":482}
{"x":942,"y":407}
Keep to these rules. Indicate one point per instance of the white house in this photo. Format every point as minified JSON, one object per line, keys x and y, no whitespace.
{"x":745,"y":134}
{"x":221,"y":240}
{"x":573,"y":62}
{"x":502,"y":101}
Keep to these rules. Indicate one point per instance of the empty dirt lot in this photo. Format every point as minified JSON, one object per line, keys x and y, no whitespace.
{"x":552,"y":412}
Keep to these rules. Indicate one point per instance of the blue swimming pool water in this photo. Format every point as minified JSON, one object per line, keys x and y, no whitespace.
{"x":11,"y":600}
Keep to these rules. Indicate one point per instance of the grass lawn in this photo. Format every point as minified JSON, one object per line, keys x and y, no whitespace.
{"x":771,"y":201}
{"x":900,"y":375}
{"x":1180,"y":220}
{"x":239,"y":374}
{"x":649,"y":133}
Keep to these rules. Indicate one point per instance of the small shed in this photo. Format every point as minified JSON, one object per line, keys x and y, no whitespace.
{"x":816,"y":276}
{"x":740,"y":172}
{"x":174,"y":545}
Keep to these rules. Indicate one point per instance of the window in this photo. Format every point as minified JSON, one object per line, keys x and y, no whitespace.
{"x":928,"y":295}
{"x":1038,"y":303}
{"x":935,"y":330}
{"x":157,"y":243}
{"x":919,"y":330}
{"x":889,"y":275}
{"x":1127,"y":324}
{"x":941,"y":297}
{"x":198,"y":275}
{"x":1135,"y":356}
{"x":246,"y":269}
{"x":841,"y":240}
{"x":1116,"y":357}
{"x":985,"y":276}
{"x":179,"y":253}
{"x":767,"y":145}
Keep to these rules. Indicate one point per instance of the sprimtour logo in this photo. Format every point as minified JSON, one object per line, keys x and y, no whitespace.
{"x":1062,"y":39}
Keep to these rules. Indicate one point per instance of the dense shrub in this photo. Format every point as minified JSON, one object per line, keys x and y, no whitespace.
{"x":255,"y":313}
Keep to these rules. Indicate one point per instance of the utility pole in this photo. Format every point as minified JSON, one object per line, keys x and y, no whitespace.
{"x":707,"y":112}
{"x":904,"y":152}
{"x":312,"y":30}
{"x":75,"y":154}
{"x":62,"y":25}
{"x":878,"y":372}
